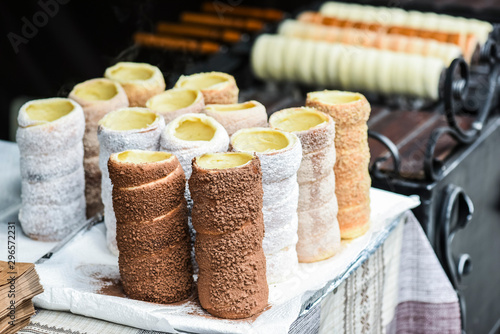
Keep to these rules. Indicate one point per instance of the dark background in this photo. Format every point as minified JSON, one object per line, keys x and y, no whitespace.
{"x":77,"y":43}
{"x":82,"y":38}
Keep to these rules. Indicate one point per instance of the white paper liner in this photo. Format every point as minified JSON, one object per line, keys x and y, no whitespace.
{"x":69,"y":288}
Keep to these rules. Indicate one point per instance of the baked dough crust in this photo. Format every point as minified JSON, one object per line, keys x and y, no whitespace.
{"x":318,"y":228}
{"x":217,"y":87}
{"x":140,"y":81}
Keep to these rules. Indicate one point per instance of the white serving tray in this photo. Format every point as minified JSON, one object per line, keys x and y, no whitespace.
{"x":83,"y":278}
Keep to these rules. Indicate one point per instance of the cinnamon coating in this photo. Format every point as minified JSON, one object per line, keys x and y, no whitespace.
{"x":350,"y":112}
{"x":232,"y":278}
{"x":346,"y":66}
{"x":393,"y":16}
{"x":151,"y":226}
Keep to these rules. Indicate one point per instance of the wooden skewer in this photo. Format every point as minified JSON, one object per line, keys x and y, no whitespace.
{"x":266,"y":14}
{"x":179,"y":44}
{"x":251,"y":25}
{"x":187,"y":30}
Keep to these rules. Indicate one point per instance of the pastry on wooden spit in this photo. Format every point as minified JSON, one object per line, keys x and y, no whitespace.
{"x":467,"y":42}
{"x":151,"y":225}
{"x":121,"y":130}
{"x":346,"y":66}
{"x":139,"y":80}
{"x":51,"y":161}
{"x":217,"y":87}
{"x":414,"y":45}
{"x":176,"y":102}
{"x":227,"y":215}
{"x":234,"y":117}
{"x":97,"y":97}
{"x":350,"y":112}
{"x":280,"y":155}
{"x":412,"y":19}
{"x":319,"y":235}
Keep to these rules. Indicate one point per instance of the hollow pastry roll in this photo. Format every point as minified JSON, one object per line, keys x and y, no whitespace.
{"x":280,"y":154}
{"x":120,"y":130}
{"x":234,"y":117}
{"x":380,"y":40}
{"x":347,"y":66}
{"x":152,"y":231}
{"x":176,"y":102}
{"x":191,"y":135}
{"x":139,"y":80}
{"x":318,"y":228}
{"x":97,"y":97}
{"x":51,"y":159}
{"x":350,"y":112}
{"x":227,"y":215}
{"x":413,"y":19}
{"x":217,"y":87}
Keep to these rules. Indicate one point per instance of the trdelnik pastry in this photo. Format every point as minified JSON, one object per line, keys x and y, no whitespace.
{"x":51,"y":157}
{"x":97,"y":97}
{"x":350,"y":112}
{"x":234,"y":117}
{"x":227,"y":215}
{"x":176,"y":102}
{"x":217,"y":87}
{"x":319,"y":235}
{"x":120,"y":130}
{"x":152,"y":231}
{"x":191,"y":135}
{"x":280,"y":155}
{"x":140,"y":81}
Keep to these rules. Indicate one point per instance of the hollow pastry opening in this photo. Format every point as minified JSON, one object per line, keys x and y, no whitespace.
{"x":194,"y":128}
{"x":173,"y":99}
{"x":203,"y":80}
{"x":223,"y":160}
{"x":49,"y":110}
{"x":129,"y":119}
{"x":336,"y":97}
{"x":100,"y":90}
{"x":139,"y":157}
{"x":299,"y":119}
{"x":131,"y":72}
{"x":230,"y":107}
{"x":260,"y":140}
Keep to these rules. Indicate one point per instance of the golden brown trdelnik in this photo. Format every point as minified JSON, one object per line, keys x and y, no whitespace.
{"x":350,"y":112}
{"x":234,"y":117}
{"x":176,"y":102}
{"x":151,"y":231}
{"x":227,"y":216}
{"x":217,"y":87}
